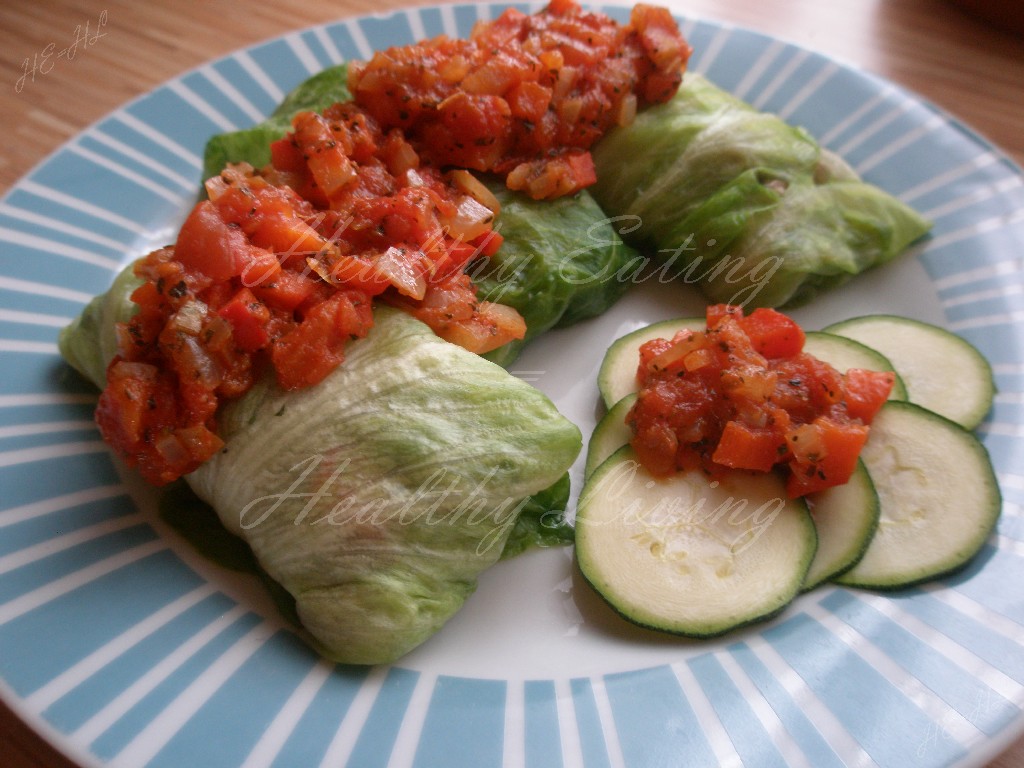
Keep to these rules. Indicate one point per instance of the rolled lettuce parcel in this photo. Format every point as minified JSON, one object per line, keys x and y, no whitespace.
{"x":744,"y":205}
{"x":377,"y":497}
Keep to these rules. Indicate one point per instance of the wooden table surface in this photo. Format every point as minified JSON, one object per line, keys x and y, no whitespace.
{"x":971,"y":67}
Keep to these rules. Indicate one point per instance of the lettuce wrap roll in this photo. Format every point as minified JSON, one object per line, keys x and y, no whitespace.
{"x":750,"y":208}
{"x":377,"y":497}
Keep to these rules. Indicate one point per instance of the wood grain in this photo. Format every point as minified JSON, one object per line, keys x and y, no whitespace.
{"x":972,"y":69}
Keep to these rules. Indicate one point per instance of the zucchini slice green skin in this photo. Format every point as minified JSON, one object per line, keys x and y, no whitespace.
{"x":938,"y":495}
{"x":846,"y":518}
{"x":616,"y":377}
{"x":691,"y":556}
{"x":610,"y":434}
{"x":942,"y":371}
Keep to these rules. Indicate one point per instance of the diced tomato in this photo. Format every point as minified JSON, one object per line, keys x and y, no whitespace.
{"x":529,"y":100}
{"x":831,"y":462}
{"x":772,"y":333}
{"x":286,"y":155}
{"x":248,"y":317}
{"x":359,"y":273}
{"x":743,"y":395}
{"x":715,"y":313}
{"x":745,"y":447}
{"x":488,"y":243}
{"x":136,"y":414}
{"x":206,"y":244}
{"x":286,"y":291}
{"x":315,"y":347}
{"x":865,"y":392}
{"x":289,"y":237}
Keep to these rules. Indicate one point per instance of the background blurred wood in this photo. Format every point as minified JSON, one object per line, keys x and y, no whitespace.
{"x":971,"y":68}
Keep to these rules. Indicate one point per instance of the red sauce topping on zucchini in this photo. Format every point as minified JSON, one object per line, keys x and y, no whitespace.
{"x":280,"y":267}
{"x":744,"y":395}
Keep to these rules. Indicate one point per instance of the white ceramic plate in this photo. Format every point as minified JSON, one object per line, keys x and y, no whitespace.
{"x":123,"y":647}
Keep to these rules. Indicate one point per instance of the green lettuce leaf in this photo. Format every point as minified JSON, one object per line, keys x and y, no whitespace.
{"x":252,"y":145}
{"x":377,"y":497}
{"x":560,"y":263}
{"x":542,"y":521}
{"x":89,"y":343}
{"x":744,"y":205}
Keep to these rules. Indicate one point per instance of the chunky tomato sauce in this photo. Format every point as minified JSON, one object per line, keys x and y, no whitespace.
{"x":371,"y":201}
{"x":744,"y":395}
{"x":526,"y":95}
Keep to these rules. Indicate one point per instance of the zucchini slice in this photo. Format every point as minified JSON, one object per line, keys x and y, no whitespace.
{"x":689,"y":555}
{"x":617,"y":376}
{"x":942,"y":372}
{"x":938,"y":497}
{"x":843,"y":354}
{"x":610,"y":434}
{"x":846,"y":518}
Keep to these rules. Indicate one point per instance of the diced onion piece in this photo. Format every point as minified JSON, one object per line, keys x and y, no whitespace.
{"x":131,"y":370}
{"x":403,"y":159}
{"x":189,"y":319}
{"x":454,"y":68}
{"x":472,"y":186}
{"x":401,"y":271}
{"x":493,"y":325}
{"x":565,"y":81}
{"x":320,"y":264}
{"x":218,"y":333}
{"x":627,"y":110}
{"x":172,"y":450}
{"x":699,"y":358}
{"x":806,"y":444}
{"x":491,"y":78}
{"x":676,"y":353}
{"x":506,"y":319}
{"x":205,"y":370}
{"x":215,"y":187}
{"x":471,"y":219}
{"x":413,"y":178}
{"x":569,"y":110}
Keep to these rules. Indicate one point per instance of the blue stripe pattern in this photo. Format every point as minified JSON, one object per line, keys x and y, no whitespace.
{"x":312,"y":734}
{"x":465,"y":724}
{"x":749,"y":738}
{"x":377,"y":739}
{"x":129,"y":725}
{"x":543,"y":745}
{"x":588,"y":722}
{"x":278,"y":665}
{"x":871,"y":707}
{"x":654,"y":719}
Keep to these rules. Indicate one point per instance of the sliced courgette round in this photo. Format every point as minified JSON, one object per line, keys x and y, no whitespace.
{"x":610,"y":434}
{"x":938,"y":498}
{"x":845,"y":517}
{"x":843,"y":353}
{"x":616,"y":377}
{"x":689,"y":555}
{"x":942,"y":371}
